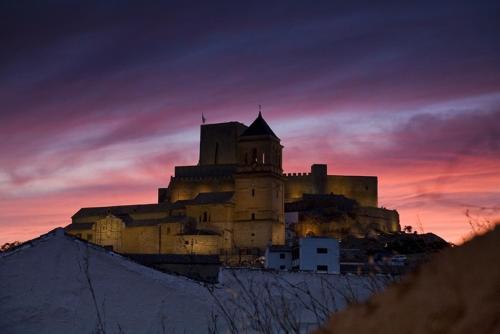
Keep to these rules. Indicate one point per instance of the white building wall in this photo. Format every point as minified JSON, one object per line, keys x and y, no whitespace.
{"x":319,"y":255}
{"x":278,"y":259}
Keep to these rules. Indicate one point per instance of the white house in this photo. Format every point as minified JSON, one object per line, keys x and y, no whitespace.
{"x":279,"y":257}
{"x":316,"y":254}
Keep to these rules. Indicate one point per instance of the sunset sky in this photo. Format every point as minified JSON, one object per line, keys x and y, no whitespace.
{"x":100,"y":100}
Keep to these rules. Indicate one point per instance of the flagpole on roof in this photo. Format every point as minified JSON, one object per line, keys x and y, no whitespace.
{"x":203,"y":119}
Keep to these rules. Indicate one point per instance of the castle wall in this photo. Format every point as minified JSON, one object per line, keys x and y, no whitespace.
{"x":261,"y":196}
{"x":363,"y":189}
{"x":108,"y":231}
{"x":192,"y":244}
{"x":297,"y":184}
{"x":218,"y":143}
{"x":219,"y":219}
{"x":140,"y":240}
{"x":253,"y":234}
{"x":189,"y":188}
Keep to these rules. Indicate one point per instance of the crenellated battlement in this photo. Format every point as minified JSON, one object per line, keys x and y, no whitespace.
{"x":296,"y":174}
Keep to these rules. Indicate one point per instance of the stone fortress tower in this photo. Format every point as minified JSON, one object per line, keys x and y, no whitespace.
{"x":233,"y":202}
{"x":259,"y":188}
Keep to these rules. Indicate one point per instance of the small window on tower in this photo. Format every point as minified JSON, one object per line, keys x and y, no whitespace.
{"x":254,"y":155}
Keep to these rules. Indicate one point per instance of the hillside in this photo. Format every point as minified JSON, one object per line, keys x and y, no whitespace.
{"x":458,"y":292}
{"x":45,"y":287}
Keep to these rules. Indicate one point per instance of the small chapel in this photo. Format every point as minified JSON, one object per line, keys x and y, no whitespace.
{"x":236,"y":201}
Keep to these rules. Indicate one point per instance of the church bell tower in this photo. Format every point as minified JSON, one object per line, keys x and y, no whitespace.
{"x":259,"y":188}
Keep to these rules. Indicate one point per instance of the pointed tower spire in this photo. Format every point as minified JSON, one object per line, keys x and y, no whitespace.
{"x":259,"y":127}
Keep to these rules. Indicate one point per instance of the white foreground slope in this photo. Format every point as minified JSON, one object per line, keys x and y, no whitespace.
{"x":44,"y":289}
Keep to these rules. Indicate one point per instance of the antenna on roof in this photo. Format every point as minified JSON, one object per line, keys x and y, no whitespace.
{"x":260,"y":110}
{"x":203,"y":119}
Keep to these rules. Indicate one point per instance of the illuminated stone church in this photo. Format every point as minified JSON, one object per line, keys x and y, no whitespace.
{"x":232,"y":203}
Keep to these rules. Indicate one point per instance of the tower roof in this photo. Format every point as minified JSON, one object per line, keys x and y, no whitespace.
{"x":259,"y":127}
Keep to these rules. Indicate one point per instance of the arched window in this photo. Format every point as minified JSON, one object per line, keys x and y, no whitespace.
{"x":205,"y":216}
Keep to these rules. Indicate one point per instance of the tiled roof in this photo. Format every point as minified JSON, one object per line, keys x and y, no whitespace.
{"x":79,"y":226}
{"x":131,"y":222}
{"x":123,"y":209}
{"x":153,"y":222}
{"x":259,"y":127}
{"x":213,"y":197}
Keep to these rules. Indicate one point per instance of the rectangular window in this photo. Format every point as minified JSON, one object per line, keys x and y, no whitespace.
{"x":282,"y":267}
{"x":253,"y":192}
{"x":282,"y":255}
{"x":253,"y":216}
{"x":322,"y":268}
{"x":89,"y":237}
{"x":321,"y":250}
